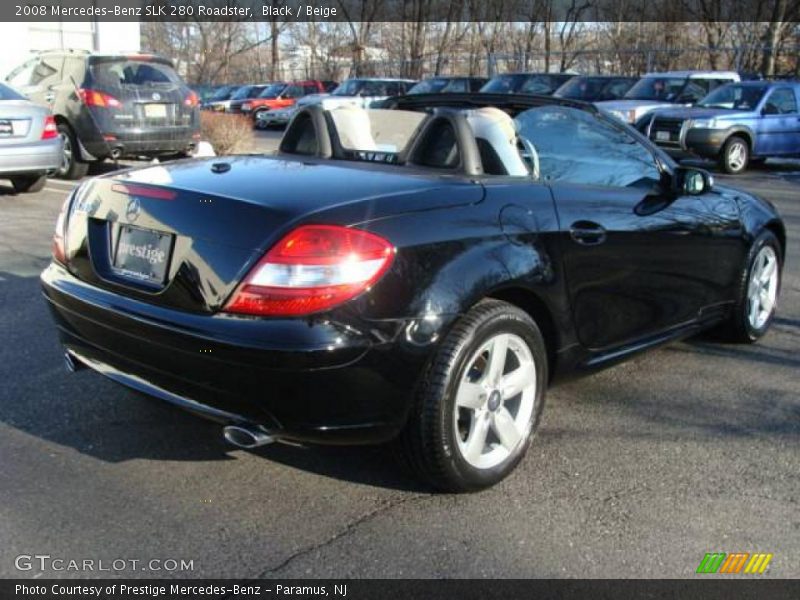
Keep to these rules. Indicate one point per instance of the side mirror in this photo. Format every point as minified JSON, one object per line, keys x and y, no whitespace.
{"x":689,"y":181}
{"x":770,"y":109}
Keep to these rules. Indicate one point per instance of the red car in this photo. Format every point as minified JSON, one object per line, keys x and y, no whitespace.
{"x":279,"y":95}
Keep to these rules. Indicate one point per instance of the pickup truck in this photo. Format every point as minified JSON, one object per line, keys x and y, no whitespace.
{"x":736,"y":124}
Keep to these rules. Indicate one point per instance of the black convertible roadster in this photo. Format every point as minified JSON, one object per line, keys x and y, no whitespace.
{"x":418,"y":273}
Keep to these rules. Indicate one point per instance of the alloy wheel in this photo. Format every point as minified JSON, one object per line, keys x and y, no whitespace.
{"x":737,"y":156}
{"x":67,"y":154}
{"x":762,"y":290}
{"x":495,"y":400}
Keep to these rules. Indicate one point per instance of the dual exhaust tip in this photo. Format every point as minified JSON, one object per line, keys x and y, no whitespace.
{"x":247,"y":436}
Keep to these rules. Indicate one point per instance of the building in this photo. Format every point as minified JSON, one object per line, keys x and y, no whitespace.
{"x":20,"y":40}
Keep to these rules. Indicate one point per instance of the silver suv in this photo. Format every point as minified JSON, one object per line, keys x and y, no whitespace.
{"x":665,"y":90}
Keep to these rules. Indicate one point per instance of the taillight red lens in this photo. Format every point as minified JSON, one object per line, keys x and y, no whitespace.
{"x":60,"y":234}
{"x":314,"y":268}
{"x":100,"y":99}
{"x":192,"y":100}
{"x":50,"y":130}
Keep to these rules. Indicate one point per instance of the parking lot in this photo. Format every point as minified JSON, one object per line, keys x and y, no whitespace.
{"x":636,"y":472}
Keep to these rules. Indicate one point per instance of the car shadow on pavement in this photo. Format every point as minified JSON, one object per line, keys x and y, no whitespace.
{"x":695,"y":390}
{"x":99,"y":418}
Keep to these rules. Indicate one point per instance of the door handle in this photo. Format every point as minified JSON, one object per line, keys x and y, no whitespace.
{"x":587,"y":233}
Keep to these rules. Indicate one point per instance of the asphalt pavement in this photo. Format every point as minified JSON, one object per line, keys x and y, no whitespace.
{"x":636,"y":472}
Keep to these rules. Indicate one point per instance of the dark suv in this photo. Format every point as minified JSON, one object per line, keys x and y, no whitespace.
{"x":111,"y":105}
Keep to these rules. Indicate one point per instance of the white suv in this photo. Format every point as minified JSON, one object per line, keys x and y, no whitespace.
{"x":665,"y":90}
{"x":363,"y":92}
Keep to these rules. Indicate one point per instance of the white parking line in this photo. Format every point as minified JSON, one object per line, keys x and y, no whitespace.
{"x":56,"y":190}
{"x":66,"y":184}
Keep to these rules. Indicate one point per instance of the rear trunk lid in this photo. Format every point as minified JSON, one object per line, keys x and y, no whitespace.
{"x":21,"y":122}
{"x":184,"y":236}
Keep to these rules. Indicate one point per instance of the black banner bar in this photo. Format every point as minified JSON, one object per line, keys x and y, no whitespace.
{"x":386,"y":10}
{"x":732,"y":588}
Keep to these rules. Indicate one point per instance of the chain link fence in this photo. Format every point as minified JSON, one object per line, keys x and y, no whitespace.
{"x":627,"y":61}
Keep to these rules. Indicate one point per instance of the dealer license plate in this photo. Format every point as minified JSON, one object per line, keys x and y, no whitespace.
{"x":143,"y":254}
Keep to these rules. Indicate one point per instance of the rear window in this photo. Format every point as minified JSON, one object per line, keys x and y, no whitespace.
{"x":272,"y":91}
{"x":436,"y":86}
{"x":522,"y":83}
{"x":248,"y":91}
{"x":223,"y":93}
{"x":134,"y":73}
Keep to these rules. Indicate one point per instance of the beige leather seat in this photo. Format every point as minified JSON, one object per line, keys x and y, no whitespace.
{"x":494,"y":128}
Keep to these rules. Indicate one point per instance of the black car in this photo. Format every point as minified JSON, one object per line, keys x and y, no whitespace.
{"x":526,"y":83}
{"x":219,"y":94}
{"x":111,"y":105}
{"x":595,"y":88}
{"x":448,"y":85}
{"x":418,"y":274}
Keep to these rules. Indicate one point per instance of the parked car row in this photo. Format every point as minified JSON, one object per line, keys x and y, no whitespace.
{"x":101,"y":106}
{"x":136,"y":105}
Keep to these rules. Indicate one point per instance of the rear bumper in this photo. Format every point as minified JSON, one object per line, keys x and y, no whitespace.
{"x":34,"y":157}
{"x":274,"y":117}
{"x":323,"y":383}
{"x":144,"y":142}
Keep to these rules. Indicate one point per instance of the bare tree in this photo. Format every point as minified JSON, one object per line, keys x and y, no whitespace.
{"x":570,"y":30}
{"x":772,"y":36}
{"x":360,"y":25}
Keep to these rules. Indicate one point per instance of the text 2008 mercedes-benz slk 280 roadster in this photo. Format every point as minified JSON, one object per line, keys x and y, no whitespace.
{"x":417,"y":273}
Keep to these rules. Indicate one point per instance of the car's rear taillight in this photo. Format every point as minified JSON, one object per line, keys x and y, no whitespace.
{"x":100,"y":99}
{"x":192,"y":100}
{"x":60,"y":234}
{"x":313,"y":268}
{"x":50,"y":130}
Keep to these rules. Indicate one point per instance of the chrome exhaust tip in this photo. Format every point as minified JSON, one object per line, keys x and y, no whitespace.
{"x":72,"y":364}
{"x":246,"y":436}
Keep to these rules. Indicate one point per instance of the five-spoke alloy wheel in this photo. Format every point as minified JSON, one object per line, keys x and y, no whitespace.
{"x":762,"y":289}
{"x":477,"y":408}
{"x":758,"y":291}
{"x":495,"y":400}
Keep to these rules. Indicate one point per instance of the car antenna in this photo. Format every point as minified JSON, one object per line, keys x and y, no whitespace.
{"x":96,"y":124}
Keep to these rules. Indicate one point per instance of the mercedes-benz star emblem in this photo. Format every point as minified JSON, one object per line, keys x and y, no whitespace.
{"x":156,"y":96}
{"x":132,"y":210}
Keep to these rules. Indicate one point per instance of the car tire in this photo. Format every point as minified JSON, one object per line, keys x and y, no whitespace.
{"x":757,"y":291}
{"x":28,"y":183}
{"x":257,"y":123}
{"x":71,"y":168}
{"x":460,"y":398}
{"x":735,"y":155}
